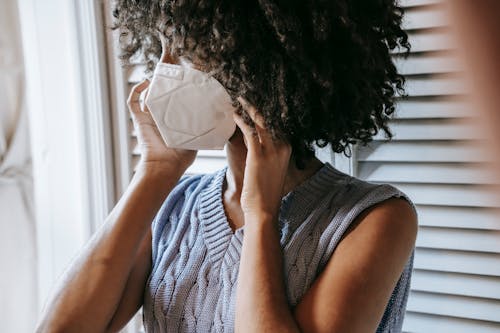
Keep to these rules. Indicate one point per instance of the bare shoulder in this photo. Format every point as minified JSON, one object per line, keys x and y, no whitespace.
{"x":387,"y":229}
{"x":393,"y":220}
{"x":362,"y":271}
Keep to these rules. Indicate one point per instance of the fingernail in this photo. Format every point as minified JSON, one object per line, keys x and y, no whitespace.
{"x":242,"y":100}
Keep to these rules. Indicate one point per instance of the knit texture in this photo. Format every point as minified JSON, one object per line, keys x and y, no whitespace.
{"x":195,"y":254}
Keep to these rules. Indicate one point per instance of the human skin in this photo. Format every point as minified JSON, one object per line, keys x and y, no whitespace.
{"x":352,"y":292}
{"x":89,"y":296}
{"x":358,"y":279}
{"x":117,"y":258}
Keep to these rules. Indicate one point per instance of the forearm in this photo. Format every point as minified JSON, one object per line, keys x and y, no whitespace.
{"x":261,"y":303}
{"x":89,"y":291}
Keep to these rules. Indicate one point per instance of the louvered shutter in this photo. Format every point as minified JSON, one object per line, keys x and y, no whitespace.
{"x":438,"y":158}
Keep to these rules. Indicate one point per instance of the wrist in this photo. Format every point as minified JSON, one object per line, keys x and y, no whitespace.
{"x":261,"y":218}
{"x":159,"y":170}
{"x":159,"y":181}
{"x":262,"y":225}
{"x":157,"y":178}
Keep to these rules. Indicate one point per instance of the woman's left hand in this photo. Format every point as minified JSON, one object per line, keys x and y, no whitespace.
{"x":261,"y":302}
{"x":266,"y":167}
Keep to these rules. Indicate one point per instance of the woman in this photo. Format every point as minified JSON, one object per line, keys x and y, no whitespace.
{"x":276,"y":241}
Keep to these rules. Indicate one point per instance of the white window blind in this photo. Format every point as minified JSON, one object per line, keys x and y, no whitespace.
{"x":438,"y":158}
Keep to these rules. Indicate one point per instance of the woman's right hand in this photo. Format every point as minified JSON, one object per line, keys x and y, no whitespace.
{"x":155,"y":154}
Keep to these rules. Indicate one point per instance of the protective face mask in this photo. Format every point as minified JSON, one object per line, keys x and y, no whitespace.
{"x":191,"y":109}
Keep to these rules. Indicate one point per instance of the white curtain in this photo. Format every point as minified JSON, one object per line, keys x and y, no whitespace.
{"x":18,"y":277}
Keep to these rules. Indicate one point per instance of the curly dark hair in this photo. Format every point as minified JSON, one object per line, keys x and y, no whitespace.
{"x":319,"y":71}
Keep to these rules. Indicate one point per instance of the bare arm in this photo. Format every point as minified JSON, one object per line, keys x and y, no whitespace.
{"x":261,"y":304}
{"x":261,"y":297}
{"x":88,"y":294}
{"x":132,"y":299}
{"x":92,"y":291}
{"x":351,"y":293}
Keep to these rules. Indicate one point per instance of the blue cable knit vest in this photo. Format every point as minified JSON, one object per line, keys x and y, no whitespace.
{"x":196,"y":255}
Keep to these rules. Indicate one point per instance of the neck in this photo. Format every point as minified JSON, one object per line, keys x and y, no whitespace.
{"x":236,"y":152}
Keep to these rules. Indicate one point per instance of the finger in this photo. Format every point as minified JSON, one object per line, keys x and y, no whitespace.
{"x":285,"y":148}
{"x":249,"y":133}
{"x":142,"y":100}
{"x":252,"y":112}
{"x":264,"y":135}
{"x":135,"y":93}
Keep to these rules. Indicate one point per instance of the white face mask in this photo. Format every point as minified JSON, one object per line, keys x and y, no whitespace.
{"x":191,"y":109}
